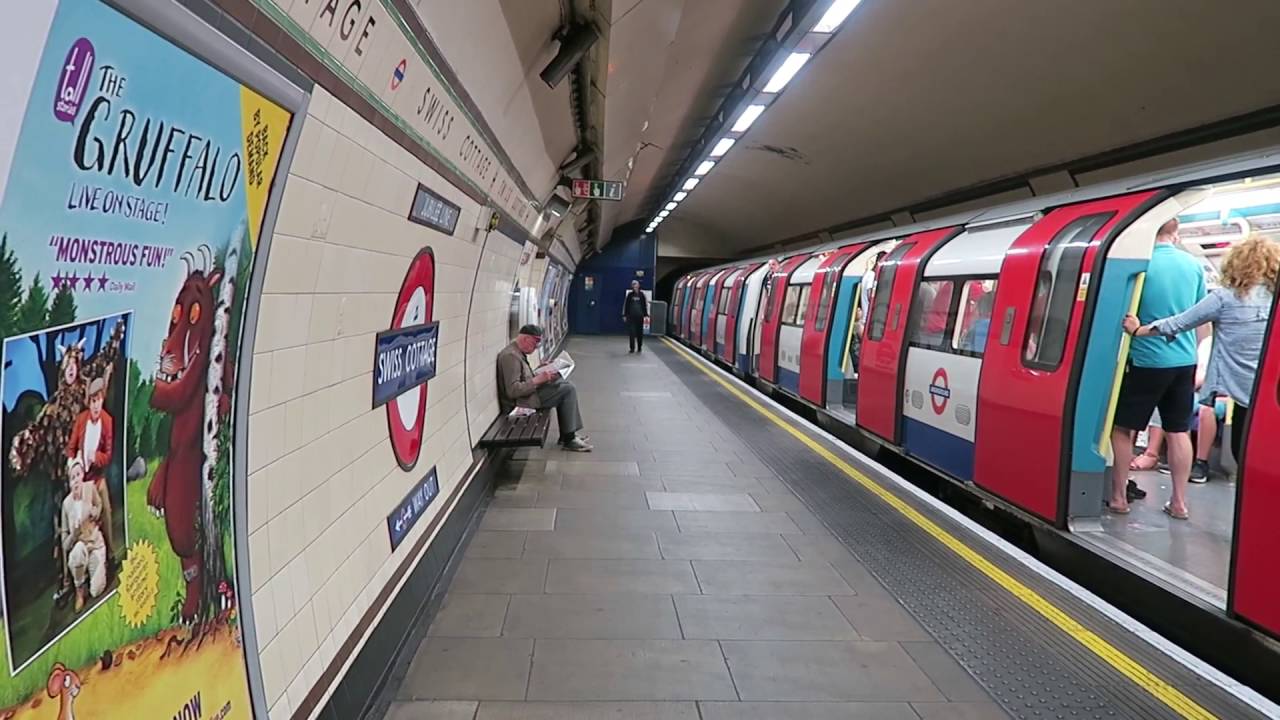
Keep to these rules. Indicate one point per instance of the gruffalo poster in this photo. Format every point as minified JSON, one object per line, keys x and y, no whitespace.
{"x":132,"y":198}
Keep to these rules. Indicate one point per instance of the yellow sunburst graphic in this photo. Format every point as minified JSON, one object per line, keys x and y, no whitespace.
{"x":139,"y":583}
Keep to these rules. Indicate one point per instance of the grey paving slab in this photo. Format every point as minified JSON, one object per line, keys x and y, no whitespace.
{"x":524,"y":498}
{"x":593,"y":543}
{"x":588,"y":711}
{"x":499,"y":576}
{"x":611,"y":518}
{"x":469,"y":669}
{"x":735,"y":522}
{"x":667,"y":577}
{"x":600,"y":468}
{"x":807,"y":521}
{"x":807,"y":711}
{"x":526,"y":483}
{"x":496,"y":544}
{"x":762,"y":547}
{"x":432,"y":710}
{"x":850,"y":670}
{"x":690,"y":469}
{"x":630,"y":670}
{"x":953,"y":680}
{"x":617,"y":615}
{"x":591,"y":499}
{"x":498,"y":518}
{"x":705,"y":502}
{"x":878,"y":616}
{"x":626,"y":483}
{"x":735,"y":617}
{"x":745,"y":577}
{"x":777,"y":502}
{"x":710,"y":485}
{"x":960,"y":711}
{"x":469,"y":616}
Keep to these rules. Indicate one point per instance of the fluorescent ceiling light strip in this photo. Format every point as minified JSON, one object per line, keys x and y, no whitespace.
{"x":747,"y":117}
{"x":670,"y":206}
{"x":705,"y":167}
{"x":789,"y":68}
{"x":835,"y":15}
{"x":689,"y":184}
{"x":722,"y":147}
{"x":680,"y":196}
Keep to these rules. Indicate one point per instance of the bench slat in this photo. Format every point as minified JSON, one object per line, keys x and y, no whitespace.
{"x":526,"y":431}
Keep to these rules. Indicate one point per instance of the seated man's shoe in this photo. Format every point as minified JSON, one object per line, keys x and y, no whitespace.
{"x":575,"y":444}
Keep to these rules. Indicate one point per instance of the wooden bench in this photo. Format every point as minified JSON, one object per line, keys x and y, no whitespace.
{"x":523,"y":431}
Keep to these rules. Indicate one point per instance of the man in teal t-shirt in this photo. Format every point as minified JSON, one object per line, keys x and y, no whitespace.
{"x":1162,"y":371}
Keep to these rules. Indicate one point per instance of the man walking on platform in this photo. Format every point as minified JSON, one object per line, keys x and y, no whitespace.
{"x":635,"y":310}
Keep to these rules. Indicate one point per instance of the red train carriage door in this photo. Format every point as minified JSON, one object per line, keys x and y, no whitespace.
{"x":771,"y":324}
{"x":883,"y":351}
{"x":1026,"y":386}
{"x":695,"y":316}
{"x":730,"y":347}
{"x":1254,"y":587}
{"x":817,"y":325}
{"x":712,"y":313}
{"x":676,"y":296}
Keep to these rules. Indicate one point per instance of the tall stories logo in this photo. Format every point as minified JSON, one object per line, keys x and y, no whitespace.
{"x":73,"y":81}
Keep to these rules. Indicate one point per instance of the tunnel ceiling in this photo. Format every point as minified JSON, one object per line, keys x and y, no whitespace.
{"x":915,"y":98}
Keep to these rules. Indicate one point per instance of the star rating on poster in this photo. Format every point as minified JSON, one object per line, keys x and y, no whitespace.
{"x":76,"y":283}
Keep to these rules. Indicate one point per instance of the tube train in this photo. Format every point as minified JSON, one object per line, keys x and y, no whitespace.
{"x":988,"y":346}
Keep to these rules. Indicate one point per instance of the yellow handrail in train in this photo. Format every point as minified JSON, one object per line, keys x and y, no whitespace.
{"x":1104,"y":442}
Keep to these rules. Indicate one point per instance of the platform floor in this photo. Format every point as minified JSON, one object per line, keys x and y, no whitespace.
{"x":692,"y":568}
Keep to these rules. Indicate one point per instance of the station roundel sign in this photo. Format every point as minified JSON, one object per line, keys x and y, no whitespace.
{"x":939,"y":391}
{"x":406,"y":413}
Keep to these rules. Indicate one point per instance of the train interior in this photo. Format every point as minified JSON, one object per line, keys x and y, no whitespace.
{"x":1194,"y":554}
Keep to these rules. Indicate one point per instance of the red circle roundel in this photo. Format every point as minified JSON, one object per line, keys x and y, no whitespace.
{"x":939,"y":391}
{"x":406,"y":412}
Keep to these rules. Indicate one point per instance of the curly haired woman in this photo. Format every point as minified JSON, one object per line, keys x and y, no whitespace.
{"x":1239,"y":311}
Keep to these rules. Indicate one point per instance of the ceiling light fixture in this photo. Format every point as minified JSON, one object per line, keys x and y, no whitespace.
{"x":722,"y":147}
{"x":747,"y":117}
{"x":835,"y":15}
{"x":670,"y":206}
{"x":705,"y":167}
{"x":689,"y":184}
{"x":790,"y":67}
{"x":680,"y":196}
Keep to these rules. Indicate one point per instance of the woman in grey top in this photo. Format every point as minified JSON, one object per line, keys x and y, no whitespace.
{"x":1239,"y":311}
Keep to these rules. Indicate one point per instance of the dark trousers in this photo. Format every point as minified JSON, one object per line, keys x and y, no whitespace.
{"x":1239,"y":414}
{"x":635,"y":331}
{"x":562,"y":396}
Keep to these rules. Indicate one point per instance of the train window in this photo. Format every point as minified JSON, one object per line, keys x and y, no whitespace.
{"x":724,"y":299}
{"x":883,"y":291}
{"x":829,"y":280}
{"x":790,"y":305}
{"x":1055,"y":292}
{"x":932,"y":306}
{"x":802,"y":307}
{"x":974,"y":321}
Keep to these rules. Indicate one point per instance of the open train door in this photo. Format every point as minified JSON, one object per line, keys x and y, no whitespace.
{"x":729,"y":343}
{"x":817,"y":324}
{"x":771,"y":323}
{"x":1253,"y":591}
{"x":884,"y":356}
{"x":1031,"y":367}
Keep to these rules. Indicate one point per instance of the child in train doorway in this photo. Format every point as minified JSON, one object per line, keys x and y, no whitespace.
{"x":1161,"y":372}
{"x":635,"y":309}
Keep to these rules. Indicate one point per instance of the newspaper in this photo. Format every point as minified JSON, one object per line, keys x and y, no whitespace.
{"x":521,"y":412}
{"x":562,"y":364}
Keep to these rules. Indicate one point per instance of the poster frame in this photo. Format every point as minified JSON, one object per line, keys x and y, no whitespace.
{"x":177,"y":23}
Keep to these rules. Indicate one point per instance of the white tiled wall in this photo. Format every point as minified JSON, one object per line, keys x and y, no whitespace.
{"x":322,"y":476}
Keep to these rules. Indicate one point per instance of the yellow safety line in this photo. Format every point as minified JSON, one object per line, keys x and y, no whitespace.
{"x":1127,"y":666}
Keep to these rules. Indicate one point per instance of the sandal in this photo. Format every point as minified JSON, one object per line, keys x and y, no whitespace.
{"x":1168,"y":510}
{"x":1144,"y":462}
{"x":1117,"y":510}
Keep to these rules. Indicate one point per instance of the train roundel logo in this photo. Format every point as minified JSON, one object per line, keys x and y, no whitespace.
{"x":406,"y":412}
{"x":397,"y":75}
{"x":939,"y":391}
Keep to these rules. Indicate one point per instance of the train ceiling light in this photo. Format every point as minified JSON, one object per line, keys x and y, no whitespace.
{"x":799,"y":33}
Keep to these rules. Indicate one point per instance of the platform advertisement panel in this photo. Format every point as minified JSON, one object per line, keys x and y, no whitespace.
{"x":135,"y":193}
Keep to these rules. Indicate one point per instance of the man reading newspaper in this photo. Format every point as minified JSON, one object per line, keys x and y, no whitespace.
{"x":520,"y":387}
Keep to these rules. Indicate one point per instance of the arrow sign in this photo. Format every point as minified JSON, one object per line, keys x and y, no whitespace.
{"x":597,"y":189}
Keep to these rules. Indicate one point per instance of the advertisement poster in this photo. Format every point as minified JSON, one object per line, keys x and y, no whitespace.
{"x":128,"y":227}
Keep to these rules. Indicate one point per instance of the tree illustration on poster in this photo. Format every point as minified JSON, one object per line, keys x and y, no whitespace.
{"x":129,"y":219}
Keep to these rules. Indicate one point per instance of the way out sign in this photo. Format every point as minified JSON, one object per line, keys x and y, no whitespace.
{"x":597,"y":189}
{"x":404,"y":359}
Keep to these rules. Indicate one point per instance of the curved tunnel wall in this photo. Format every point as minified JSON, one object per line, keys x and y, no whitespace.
{"x":319,"y":482}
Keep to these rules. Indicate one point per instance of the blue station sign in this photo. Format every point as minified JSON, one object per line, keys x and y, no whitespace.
{"x":404,"y":358}
{"x":412,"y":508}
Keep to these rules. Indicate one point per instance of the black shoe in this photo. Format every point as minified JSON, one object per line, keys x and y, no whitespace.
{"x":1200,"y":471}
{"x":1133,"y":492}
